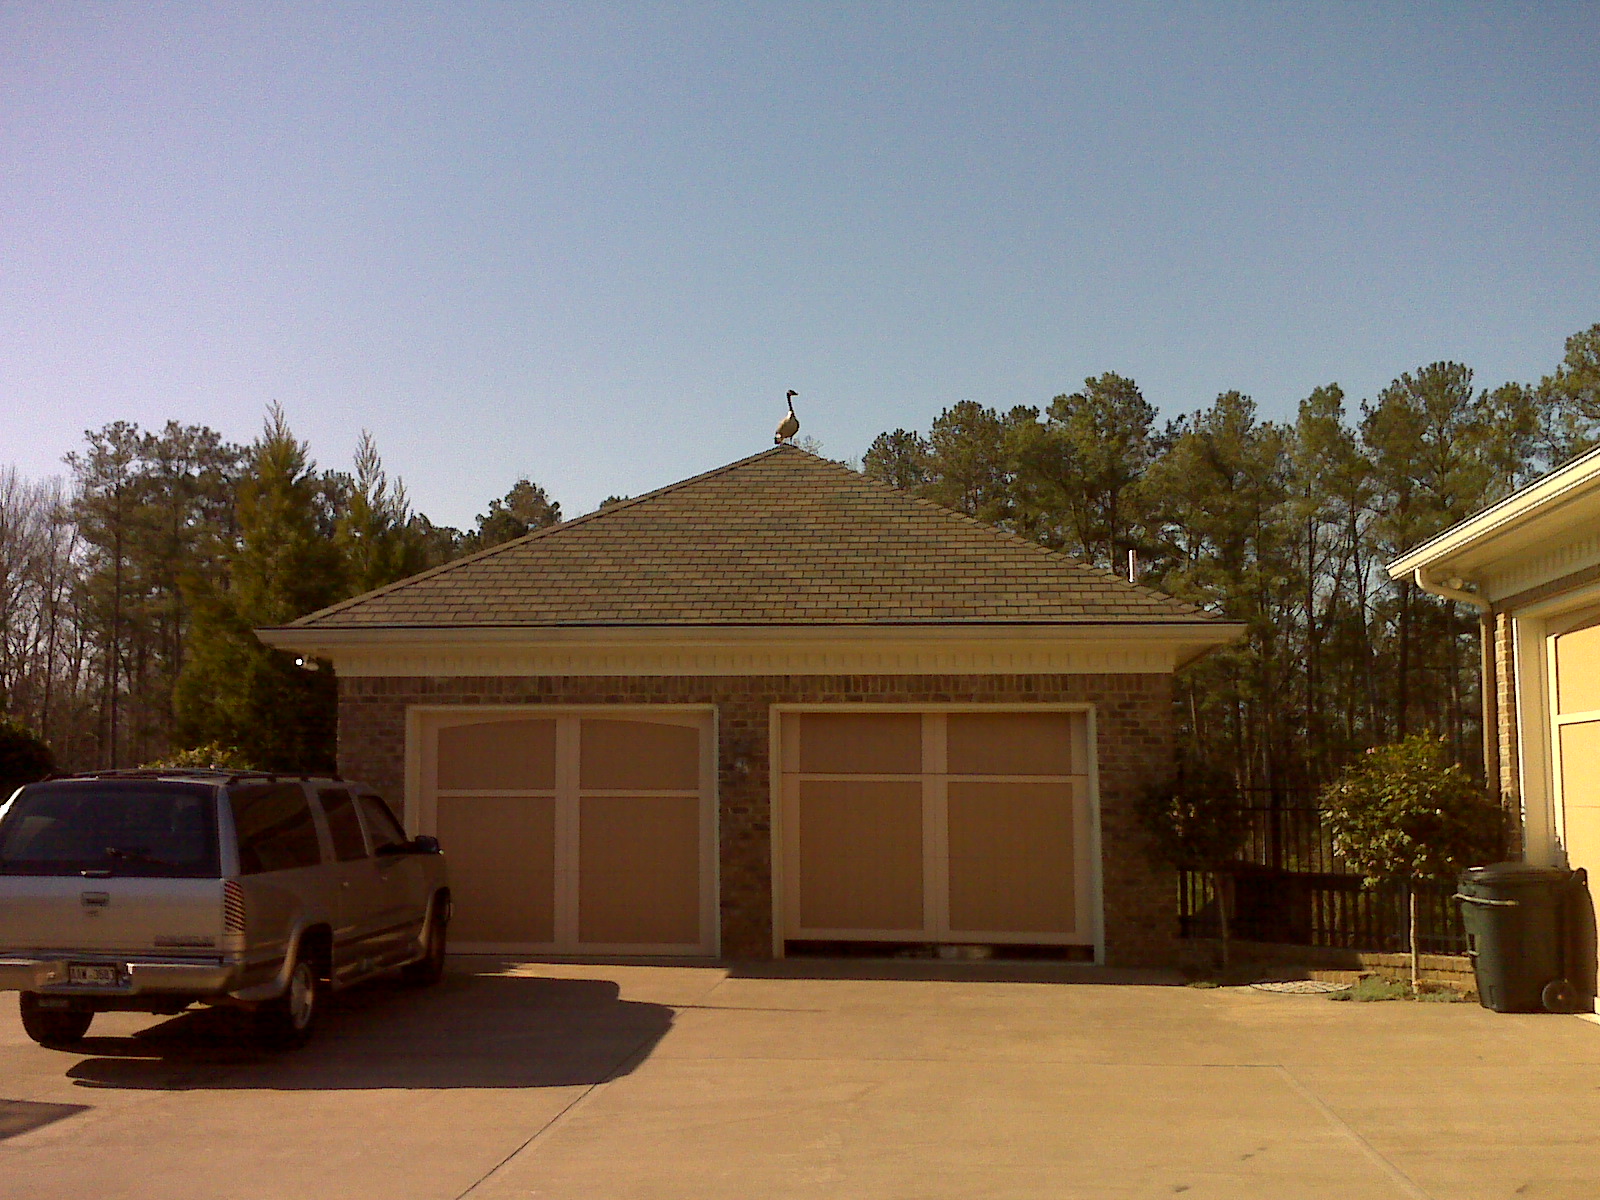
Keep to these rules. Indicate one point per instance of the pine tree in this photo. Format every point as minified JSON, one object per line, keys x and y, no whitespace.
{"x":375,"y":532}
{"x":1078,"y":471}
{"x":105,"y":509}
{"x":525,"y":507}
{"x":235,"y":691}
{"x":899,"y":459}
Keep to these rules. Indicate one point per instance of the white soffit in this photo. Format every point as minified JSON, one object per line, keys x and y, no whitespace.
{"x":909,"y":650}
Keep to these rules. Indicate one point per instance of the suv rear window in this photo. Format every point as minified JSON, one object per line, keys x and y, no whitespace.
{"x":116,"y":827}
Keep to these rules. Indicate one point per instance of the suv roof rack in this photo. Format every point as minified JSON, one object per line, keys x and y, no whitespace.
{"x":230,"y":774}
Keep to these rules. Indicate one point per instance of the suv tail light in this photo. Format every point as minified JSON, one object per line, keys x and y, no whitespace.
{"x":232,"y":907}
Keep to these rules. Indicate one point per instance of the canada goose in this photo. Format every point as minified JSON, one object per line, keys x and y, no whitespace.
{"x":790,"y":425}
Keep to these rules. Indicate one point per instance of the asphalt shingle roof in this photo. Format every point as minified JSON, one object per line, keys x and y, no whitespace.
{"x":781,"y":538}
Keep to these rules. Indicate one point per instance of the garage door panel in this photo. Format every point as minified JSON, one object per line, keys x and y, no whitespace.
{"x":860,"y":855}
{"x":861,"y":743}
{"x":1011,"y":743}
{"x":575,"y":831}
{"x":977,"y":827}
{"x":498,"y":756}
{"x":501,"y":853}
{"x":1580,"y":763}
{"x":619,"y":755}
{"x":1012,"y":858}
{"x":639,"y":870}
{"x":1581,"y":838}
{"x":1578,"y":670}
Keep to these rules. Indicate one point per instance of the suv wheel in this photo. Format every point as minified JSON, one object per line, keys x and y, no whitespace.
{"x":429,"y":969}
{"x":287,"y":1022}
{"x":53,"y":1027}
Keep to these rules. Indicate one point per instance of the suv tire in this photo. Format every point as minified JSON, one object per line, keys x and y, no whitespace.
{"x":429,"y":969}
{"x":53,"y":1027}
{"x":287,"y":1022}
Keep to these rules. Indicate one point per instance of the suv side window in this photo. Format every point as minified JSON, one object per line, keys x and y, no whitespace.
{"x":385,"y":830}
{"x":343,"y":824}
{"x":275,"y":828}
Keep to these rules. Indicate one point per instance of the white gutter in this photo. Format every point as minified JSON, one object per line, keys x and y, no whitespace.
{"x":1210,"y":631}
{"x":1537,"y":501}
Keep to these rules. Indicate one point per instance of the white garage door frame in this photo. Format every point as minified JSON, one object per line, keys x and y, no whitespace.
{"x":423,"y":723}
{"x":1538,"y":779}
{"x":782,"y":817}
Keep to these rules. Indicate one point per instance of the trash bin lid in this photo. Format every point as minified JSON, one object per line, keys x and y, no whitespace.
{"x":1514,"y":874}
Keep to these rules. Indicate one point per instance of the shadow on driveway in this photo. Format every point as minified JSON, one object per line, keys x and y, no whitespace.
{"x":24,"y":1116}
{"x":470,"y":1031}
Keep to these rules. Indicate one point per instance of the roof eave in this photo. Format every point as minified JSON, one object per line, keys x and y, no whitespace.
{"x":1522,"y":518}
{"x":761,"y":650}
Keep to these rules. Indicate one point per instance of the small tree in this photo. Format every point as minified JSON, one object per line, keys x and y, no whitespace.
{"x":1405,"y":812}
{"x":24,"y":757}
{"x":1196,"y":823}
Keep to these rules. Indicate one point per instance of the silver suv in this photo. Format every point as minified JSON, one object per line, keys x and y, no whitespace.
{"x":149,"y":890}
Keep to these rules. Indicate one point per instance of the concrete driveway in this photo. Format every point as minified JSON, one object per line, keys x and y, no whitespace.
{"x":813,"y":1081}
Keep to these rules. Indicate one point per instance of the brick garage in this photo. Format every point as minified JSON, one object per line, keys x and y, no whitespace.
{"x":683,"y":602}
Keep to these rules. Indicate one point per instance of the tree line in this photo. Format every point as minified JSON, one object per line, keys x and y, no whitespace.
{"x":128,"y":590}
{"x":1285,"y":527}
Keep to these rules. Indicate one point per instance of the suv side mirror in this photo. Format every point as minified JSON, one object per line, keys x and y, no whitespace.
{"x":421,"y":844}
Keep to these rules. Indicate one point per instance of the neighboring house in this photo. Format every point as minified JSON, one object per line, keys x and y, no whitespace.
{"x":777,"y":703}
{"x":1531,"y":564}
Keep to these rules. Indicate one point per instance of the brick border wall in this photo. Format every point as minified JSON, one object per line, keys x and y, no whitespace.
{"x":1134,"y":725}
{"x":1509,"y":759}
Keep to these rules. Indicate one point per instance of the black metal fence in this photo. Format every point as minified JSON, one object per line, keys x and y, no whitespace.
{"x":1288,"y":886}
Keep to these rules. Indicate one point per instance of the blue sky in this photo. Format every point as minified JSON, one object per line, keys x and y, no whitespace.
{"x":594,"y":244}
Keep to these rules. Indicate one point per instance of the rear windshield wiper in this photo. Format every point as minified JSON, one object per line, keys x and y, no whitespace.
{"x":135,"y":854}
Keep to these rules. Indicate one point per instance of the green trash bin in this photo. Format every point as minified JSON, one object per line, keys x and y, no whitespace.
{"x":1516,"y":921}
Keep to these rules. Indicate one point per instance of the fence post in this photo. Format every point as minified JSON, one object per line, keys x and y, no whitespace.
{"x":1274,"y":829}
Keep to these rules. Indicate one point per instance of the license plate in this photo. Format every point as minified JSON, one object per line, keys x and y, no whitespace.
{"x":92,"y":974}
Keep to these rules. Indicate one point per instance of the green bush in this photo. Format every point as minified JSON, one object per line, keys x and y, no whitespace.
{"x":212,"y":754}
{"x":24,"y":757}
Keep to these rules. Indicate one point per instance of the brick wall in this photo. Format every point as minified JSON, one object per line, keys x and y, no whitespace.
{"x":1134,"y":723}
{"x":1509,"y":756}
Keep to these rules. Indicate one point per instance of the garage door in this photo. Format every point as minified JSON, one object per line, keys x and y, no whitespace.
{"x":1575,"y":693}
{"x":937,"y":826}
{"x":575,"y":832}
